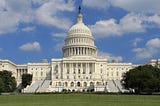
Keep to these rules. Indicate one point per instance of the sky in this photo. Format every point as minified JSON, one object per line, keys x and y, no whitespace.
{"x":124,"y":30}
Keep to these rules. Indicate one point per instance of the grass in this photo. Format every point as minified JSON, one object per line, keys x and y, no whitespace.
{"x":79,"y":100}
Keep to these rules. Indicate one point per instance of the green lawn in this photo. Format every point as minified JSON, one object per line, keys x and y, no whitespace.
{"x":79,"y":100}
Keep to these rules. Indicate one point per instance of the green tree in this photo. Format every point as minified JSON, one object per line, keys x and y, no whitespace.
{"x":7,"y":82}
{"x":1,"y":85}
{"x":26,"y":80}
{"x":143,"y":79}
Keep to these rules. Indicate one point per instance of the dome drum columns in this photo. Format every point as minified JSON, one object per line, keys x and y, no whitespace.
{"x":79,"y":51}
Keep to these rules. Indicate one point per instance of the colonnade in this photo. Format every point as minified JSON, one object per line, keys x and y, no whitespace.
{"x":77,"y":41}
{"x":77,"y":71}
{"x":79,"y":51}
{"x":20,"y":72}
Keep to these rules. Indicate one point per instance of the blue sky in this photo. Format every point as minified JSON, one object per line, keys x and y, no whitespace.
{"x":124,"y":30}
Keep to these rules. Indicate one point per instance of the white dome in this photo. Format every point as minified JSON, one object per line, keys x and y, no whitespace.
{"x":79,"y":41}
{"x":79,"y":28}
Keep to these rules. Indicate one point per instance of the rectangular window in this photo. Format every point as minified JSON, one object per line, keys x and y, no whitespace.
{"x":117,"y":74}
{"x":107,"y":73}
{"x":67,"y":71}
{"x":101,"y":70}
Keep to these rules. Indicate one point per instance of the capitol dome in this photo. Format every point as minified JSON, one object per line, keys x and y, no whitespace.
{"x":79,"y":41}
{"x":79,"y":28}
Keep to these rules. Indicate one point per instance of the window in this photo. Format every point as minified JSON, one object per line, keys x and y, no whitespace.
{"x":79,"y":65}
{"x":85,"y":84}
{"x":84,"y":71}
{"x":78,"y":84}
{"x":59,"y":83}
{"x":67,"y":71}
{"x":41,"y":73}
{"x":74,"y":72}
{"x":72,"y":84}
{"x":66,"y":84}
{"x":101,"y":70}
{"x":107,"y":73}
{"x":79,"y":71}
{"x":117,"y":74}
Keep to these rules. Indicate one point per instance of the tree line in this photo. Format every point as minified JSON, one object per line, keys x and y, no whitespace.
{"x":142,"y":79}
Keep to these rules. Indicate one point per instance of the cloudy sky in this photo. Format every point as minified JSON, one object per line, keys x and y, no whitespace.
{"x":124,"y":30}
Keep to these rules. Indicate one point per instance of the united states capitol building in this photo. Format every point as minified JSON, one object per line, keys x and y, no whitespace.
{"x":80,"y":69}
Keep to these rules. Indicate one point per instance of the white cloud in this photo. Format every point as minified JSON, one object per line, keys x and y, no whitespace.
{"x":46,"y":12}
{"x":138,"y":49}
{"x":58,"y":34}
{"x":136,"y":41}
{"x":58,"y":47}
{"x":109,"y":56}
{"x":100,"y":4}
{"x":27,"y":29}
{"x":34,"y":46}
{"x":154,"y":19}
{"x":131,"y":23}
{"x":12,"y":13}
{"x":106,"y":28}
{"x":1,"y":49}
{"x":144,"y":6}
{"x":154,"y":43}
{"x":152,"y":47}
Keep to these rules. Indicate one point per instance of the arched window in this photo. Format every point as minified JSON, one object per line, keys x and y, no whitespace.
{"x":91,"y":83}
{"x":66,"y":84}
{"x":85,"y":84}
{"x":78,"y":84}
{"x":72,"y":84}
{"x":59,"y":83}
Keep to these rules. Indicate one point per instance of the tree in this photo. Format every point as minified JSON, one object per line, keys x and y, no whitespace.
{"x":7,"y":82}
{"x":142,"y":79}
{"x":1,"y":85}
{"x":26,"y":80}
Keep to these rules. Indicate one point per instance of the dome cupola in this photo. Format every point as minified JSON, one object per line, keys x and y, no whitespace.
{"x":79,"y":27}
